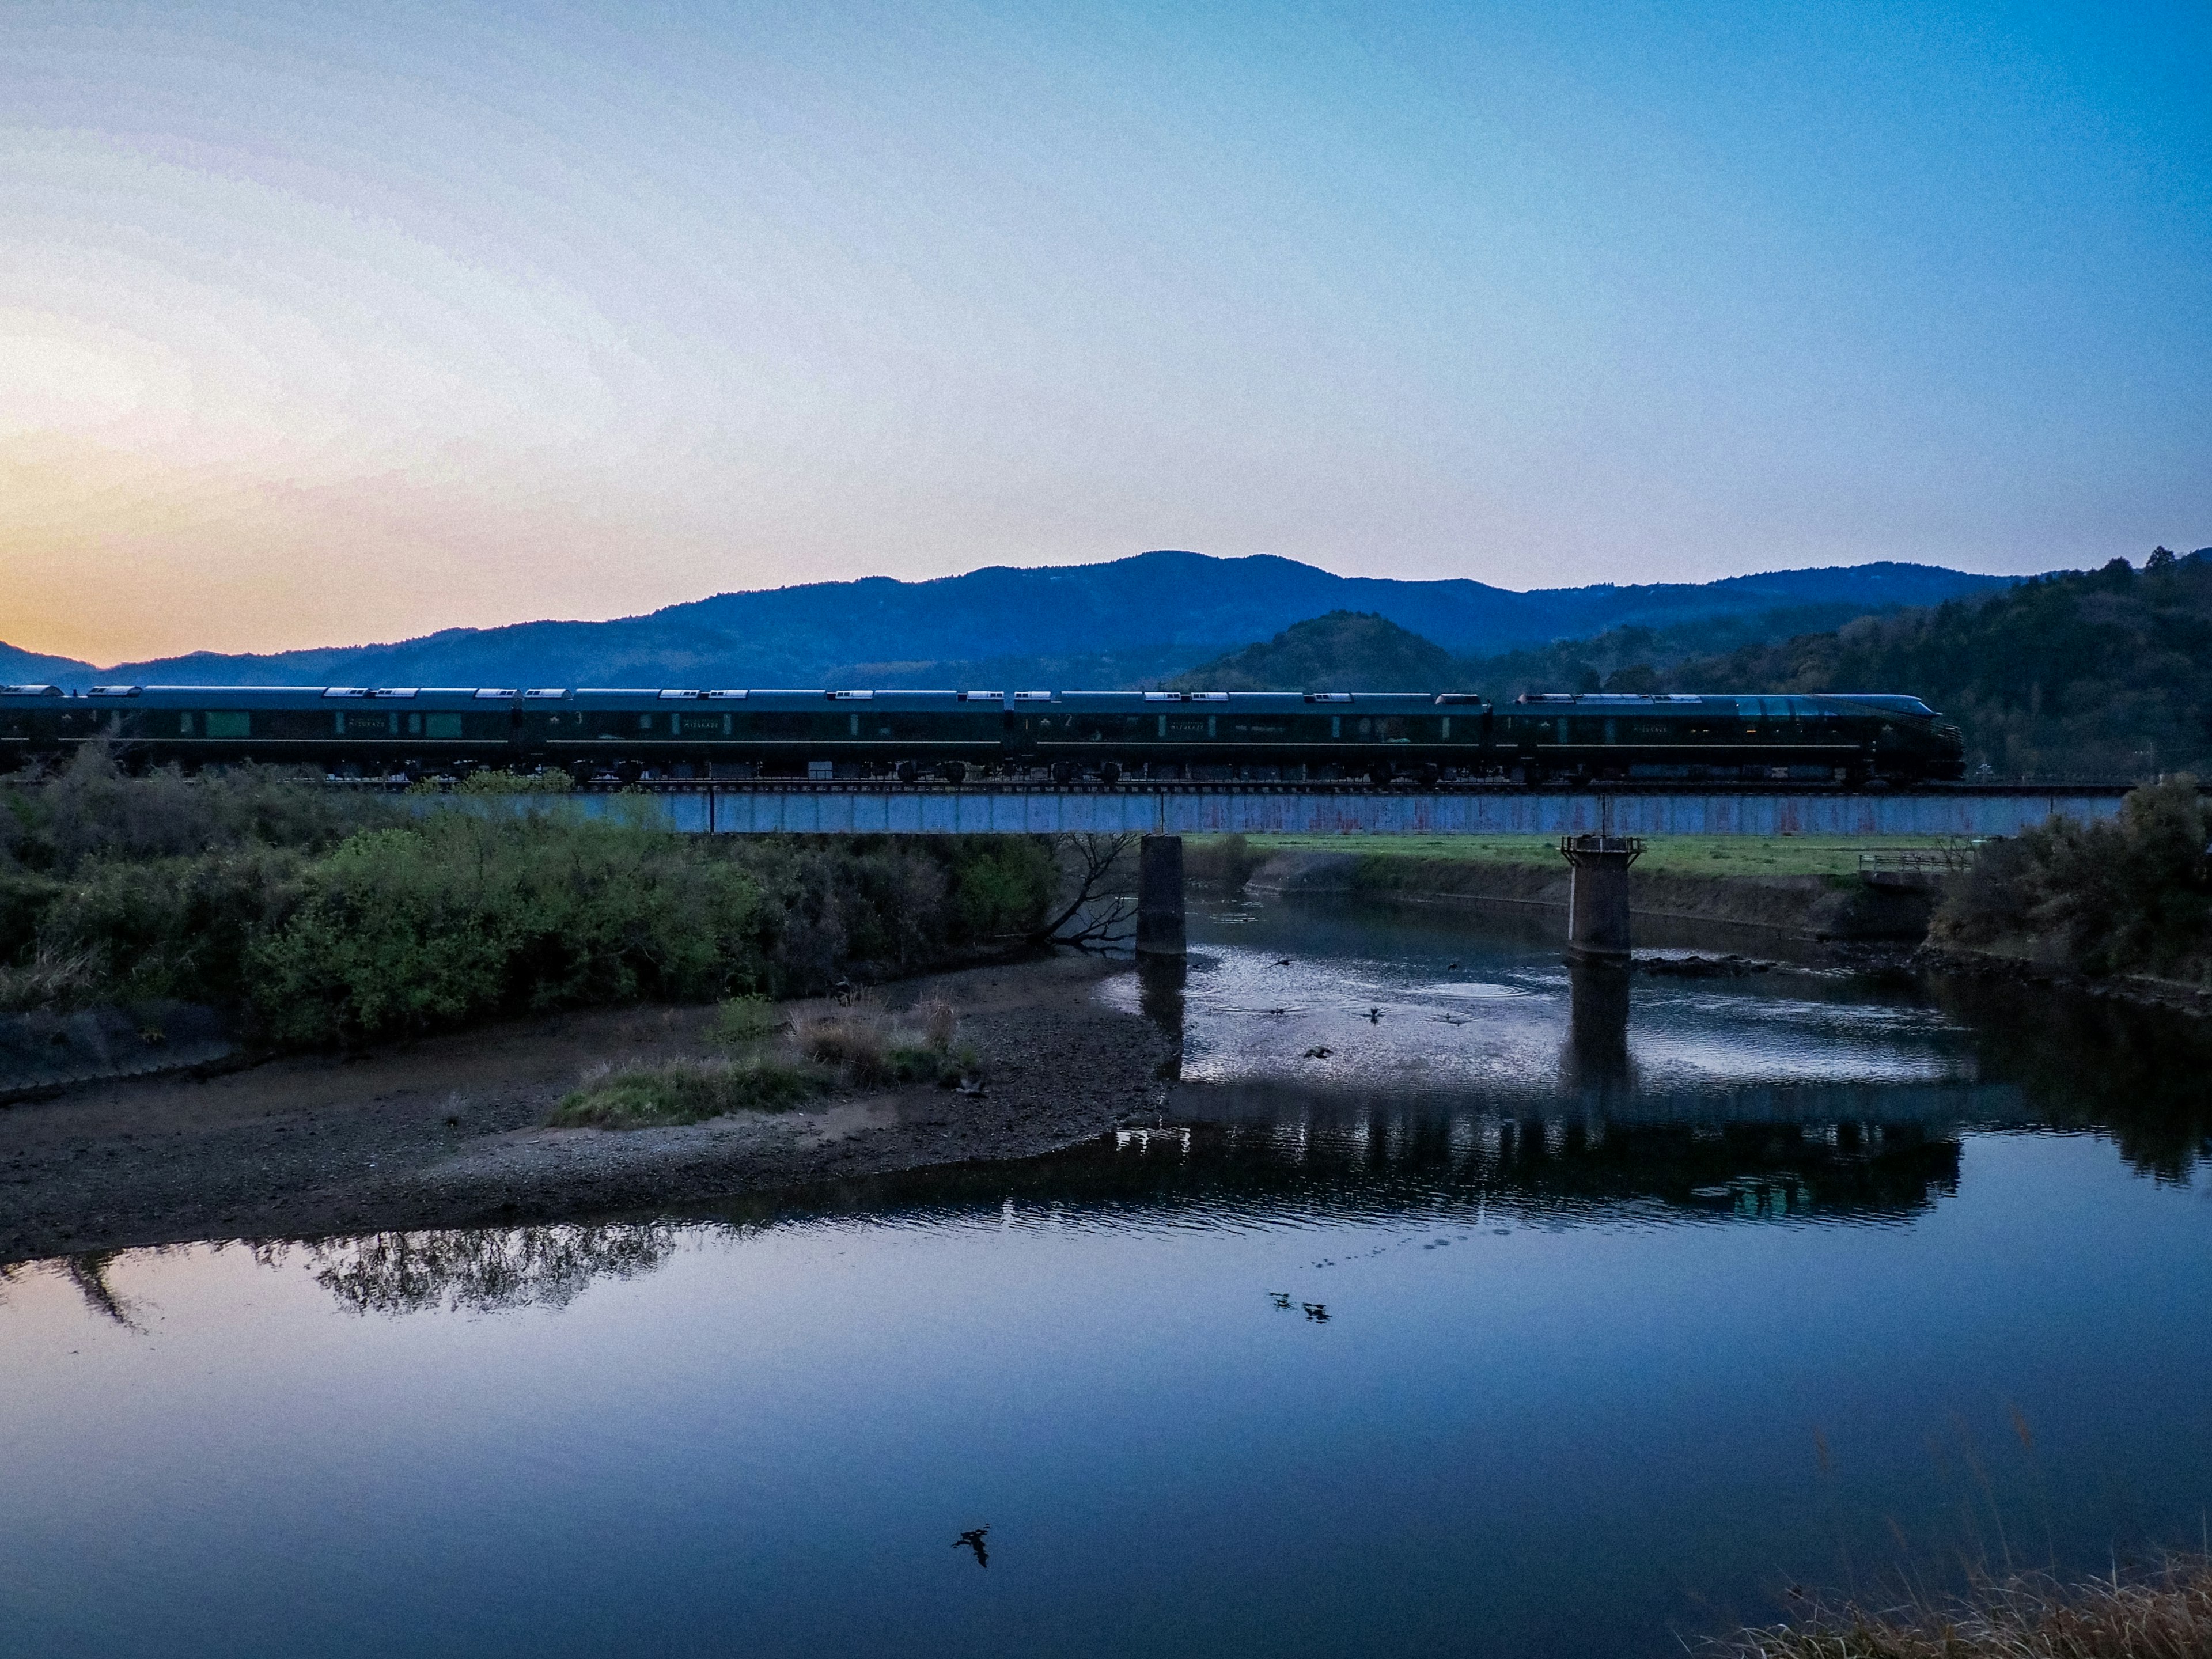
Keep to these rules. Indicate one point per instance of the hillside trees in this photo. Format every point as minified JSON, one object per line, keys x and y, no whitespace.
{"x":2106,"y":672}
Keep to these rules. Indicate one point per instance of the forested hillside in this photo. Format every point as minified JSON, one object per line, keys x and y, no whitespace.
{"x":1343,"y":651}
{"x":2106,"y":672}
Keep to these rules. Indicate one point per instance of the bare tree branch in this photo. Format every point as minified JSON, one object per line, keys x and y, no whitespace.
{"x":1090,"y":921}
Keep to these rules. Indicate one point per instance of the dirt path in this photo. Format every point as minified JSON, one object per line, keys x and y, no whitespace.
{"x":447,"y":1132}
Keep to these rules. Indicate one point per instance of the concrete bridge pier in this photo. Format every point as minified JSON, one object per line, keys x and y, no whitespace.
{"x":1159,"y":897}
{"x":1597,"y":895}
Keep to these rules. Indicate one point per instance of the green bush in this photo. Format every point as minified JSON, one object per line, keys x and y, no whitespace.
{"x":493,"y":782}
{"x":744,"y":1023}
{"x":457,"y":917}
{"x":91,"y":810}
{"x":2130,"y":895}
{"x":330,"y":917}
{"x":183,"y":927}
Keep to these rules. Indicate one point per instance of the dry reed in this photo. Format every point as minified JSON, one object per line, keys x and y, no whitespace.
{"x":2166,"y":1615}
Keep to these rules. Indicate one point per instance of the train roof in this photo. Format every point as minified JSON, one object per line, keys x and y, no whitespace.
{"x":787,"y":699}
{"x":777,"y":697}
{"x":1688,"y":701}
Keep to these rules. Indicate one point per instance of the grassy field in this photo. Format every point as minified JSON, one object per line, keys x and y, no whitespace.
{"x":1740,"y":855}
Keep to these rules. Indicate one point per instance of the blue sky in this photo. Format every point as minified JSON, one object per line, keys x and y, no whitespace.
{"x":325,"y":323}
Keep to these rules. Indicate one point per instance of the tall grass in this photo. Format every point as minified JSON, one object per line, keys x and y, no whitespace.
{"x":689,"y":1092}
{"x":772,"y":1065}
{"x":2026,"y":1616}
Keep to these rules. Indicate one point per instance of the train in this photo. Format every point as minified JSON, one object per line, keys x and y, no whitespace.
{"x":660,"y":733}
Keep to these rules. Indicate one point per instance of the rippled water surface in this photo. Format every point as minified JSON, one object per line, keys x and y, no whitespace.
{"x":1459,"y":1304}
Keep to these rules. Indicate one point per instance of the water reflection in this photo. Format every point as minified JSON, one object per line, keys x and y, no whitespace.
{"x":478,"y":1270}
{"x":1596,"y":1062}
{"x":1160,"y":982}
{"x":2081,"y":1062}
{"x":1586,"y":1309}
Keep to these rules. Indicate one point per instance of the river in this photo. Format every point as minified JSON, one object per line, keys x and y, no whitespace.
{"x":1457,"y":1305}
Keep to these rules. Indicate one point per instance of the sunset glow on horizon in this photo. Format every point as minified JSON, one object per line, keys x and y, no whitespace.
{"x":320,"y":326}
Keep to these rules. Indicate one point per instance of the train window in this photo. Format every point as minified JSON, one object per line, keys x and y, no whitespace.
{"x":447,"y":727}
{"x":1164,"y":721}
{"x":1336,"y":725}
{"x":856,"y":726}
{"x":1446,"y":729}
{"x":226,"y":724}
{"x":184,"y":725}
{"x":1366,"y":727}
{"x":645,"y":722}
{"x":1210,"y":731}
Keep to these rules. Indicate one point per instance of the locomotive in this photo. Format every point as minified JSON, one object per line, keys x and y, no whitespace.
{"x":664,"y":733}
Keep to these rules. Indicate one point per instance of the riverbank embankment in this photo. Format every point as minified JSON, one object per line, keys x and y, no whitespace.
{"x":449,"y":1130}
{"x":1796,"y":903}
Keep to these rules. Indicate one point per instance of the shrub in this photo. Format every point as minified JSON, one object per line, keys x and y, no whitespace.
{"x":687,"y":1092}
{"x":868,"y":1054}
{"x":855,"y":1045}
{"x":743,"y":1022}
{"x":457,"y":917}
{"x":938,"y":1021}
{"x":330,"y":916}
{"x":91,"y":810}
{"x":182,"y":927}
{"x":493,"y":782}
{"x":2132,"y":894}
{"x":1002,"y":885}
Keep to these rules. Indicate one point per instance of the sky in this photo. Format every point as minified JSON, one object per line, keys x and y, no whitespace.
{"x":327,"y":324}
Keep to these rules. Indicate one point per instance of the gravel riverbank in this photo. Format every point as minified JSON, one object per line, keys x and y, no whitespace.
{"x":449,"y":1131}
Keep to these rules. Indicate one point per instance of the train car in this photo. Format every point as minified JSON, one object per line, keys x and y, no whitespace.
{"x":1844,"y":738}
{"x":650,"y":731}
{"x":769,"y":734}
{"x":1378,"y":735}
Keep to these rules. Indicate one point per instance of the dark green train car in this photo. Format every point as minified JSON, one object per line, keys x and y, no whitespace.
{"x":1807,"y":739}
{"x":375,"y":732}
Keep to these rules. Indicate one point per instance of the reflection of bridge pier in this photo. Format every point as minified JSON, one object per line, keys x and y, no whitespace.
{"x":1160,"y":998}
{"x":1596,"y":1054}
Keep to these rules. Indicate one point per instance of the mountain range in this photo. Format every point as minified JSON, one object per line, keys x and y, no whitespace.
{"x":1122,"y":622}
{"x":2104,"y":673}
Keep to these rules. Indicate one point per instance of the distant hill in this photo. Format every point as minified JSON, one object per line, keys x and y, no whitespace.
{"x":2106,"y":671}
{"x":29,"y":668}
{"x":1125,"y":621}
{"x":1343,"y":651}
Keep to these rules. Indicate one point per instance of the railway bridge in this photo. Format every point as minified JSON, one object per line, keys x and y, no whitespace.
{"x":993,"y":806}
{"x":1606,"y":826}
